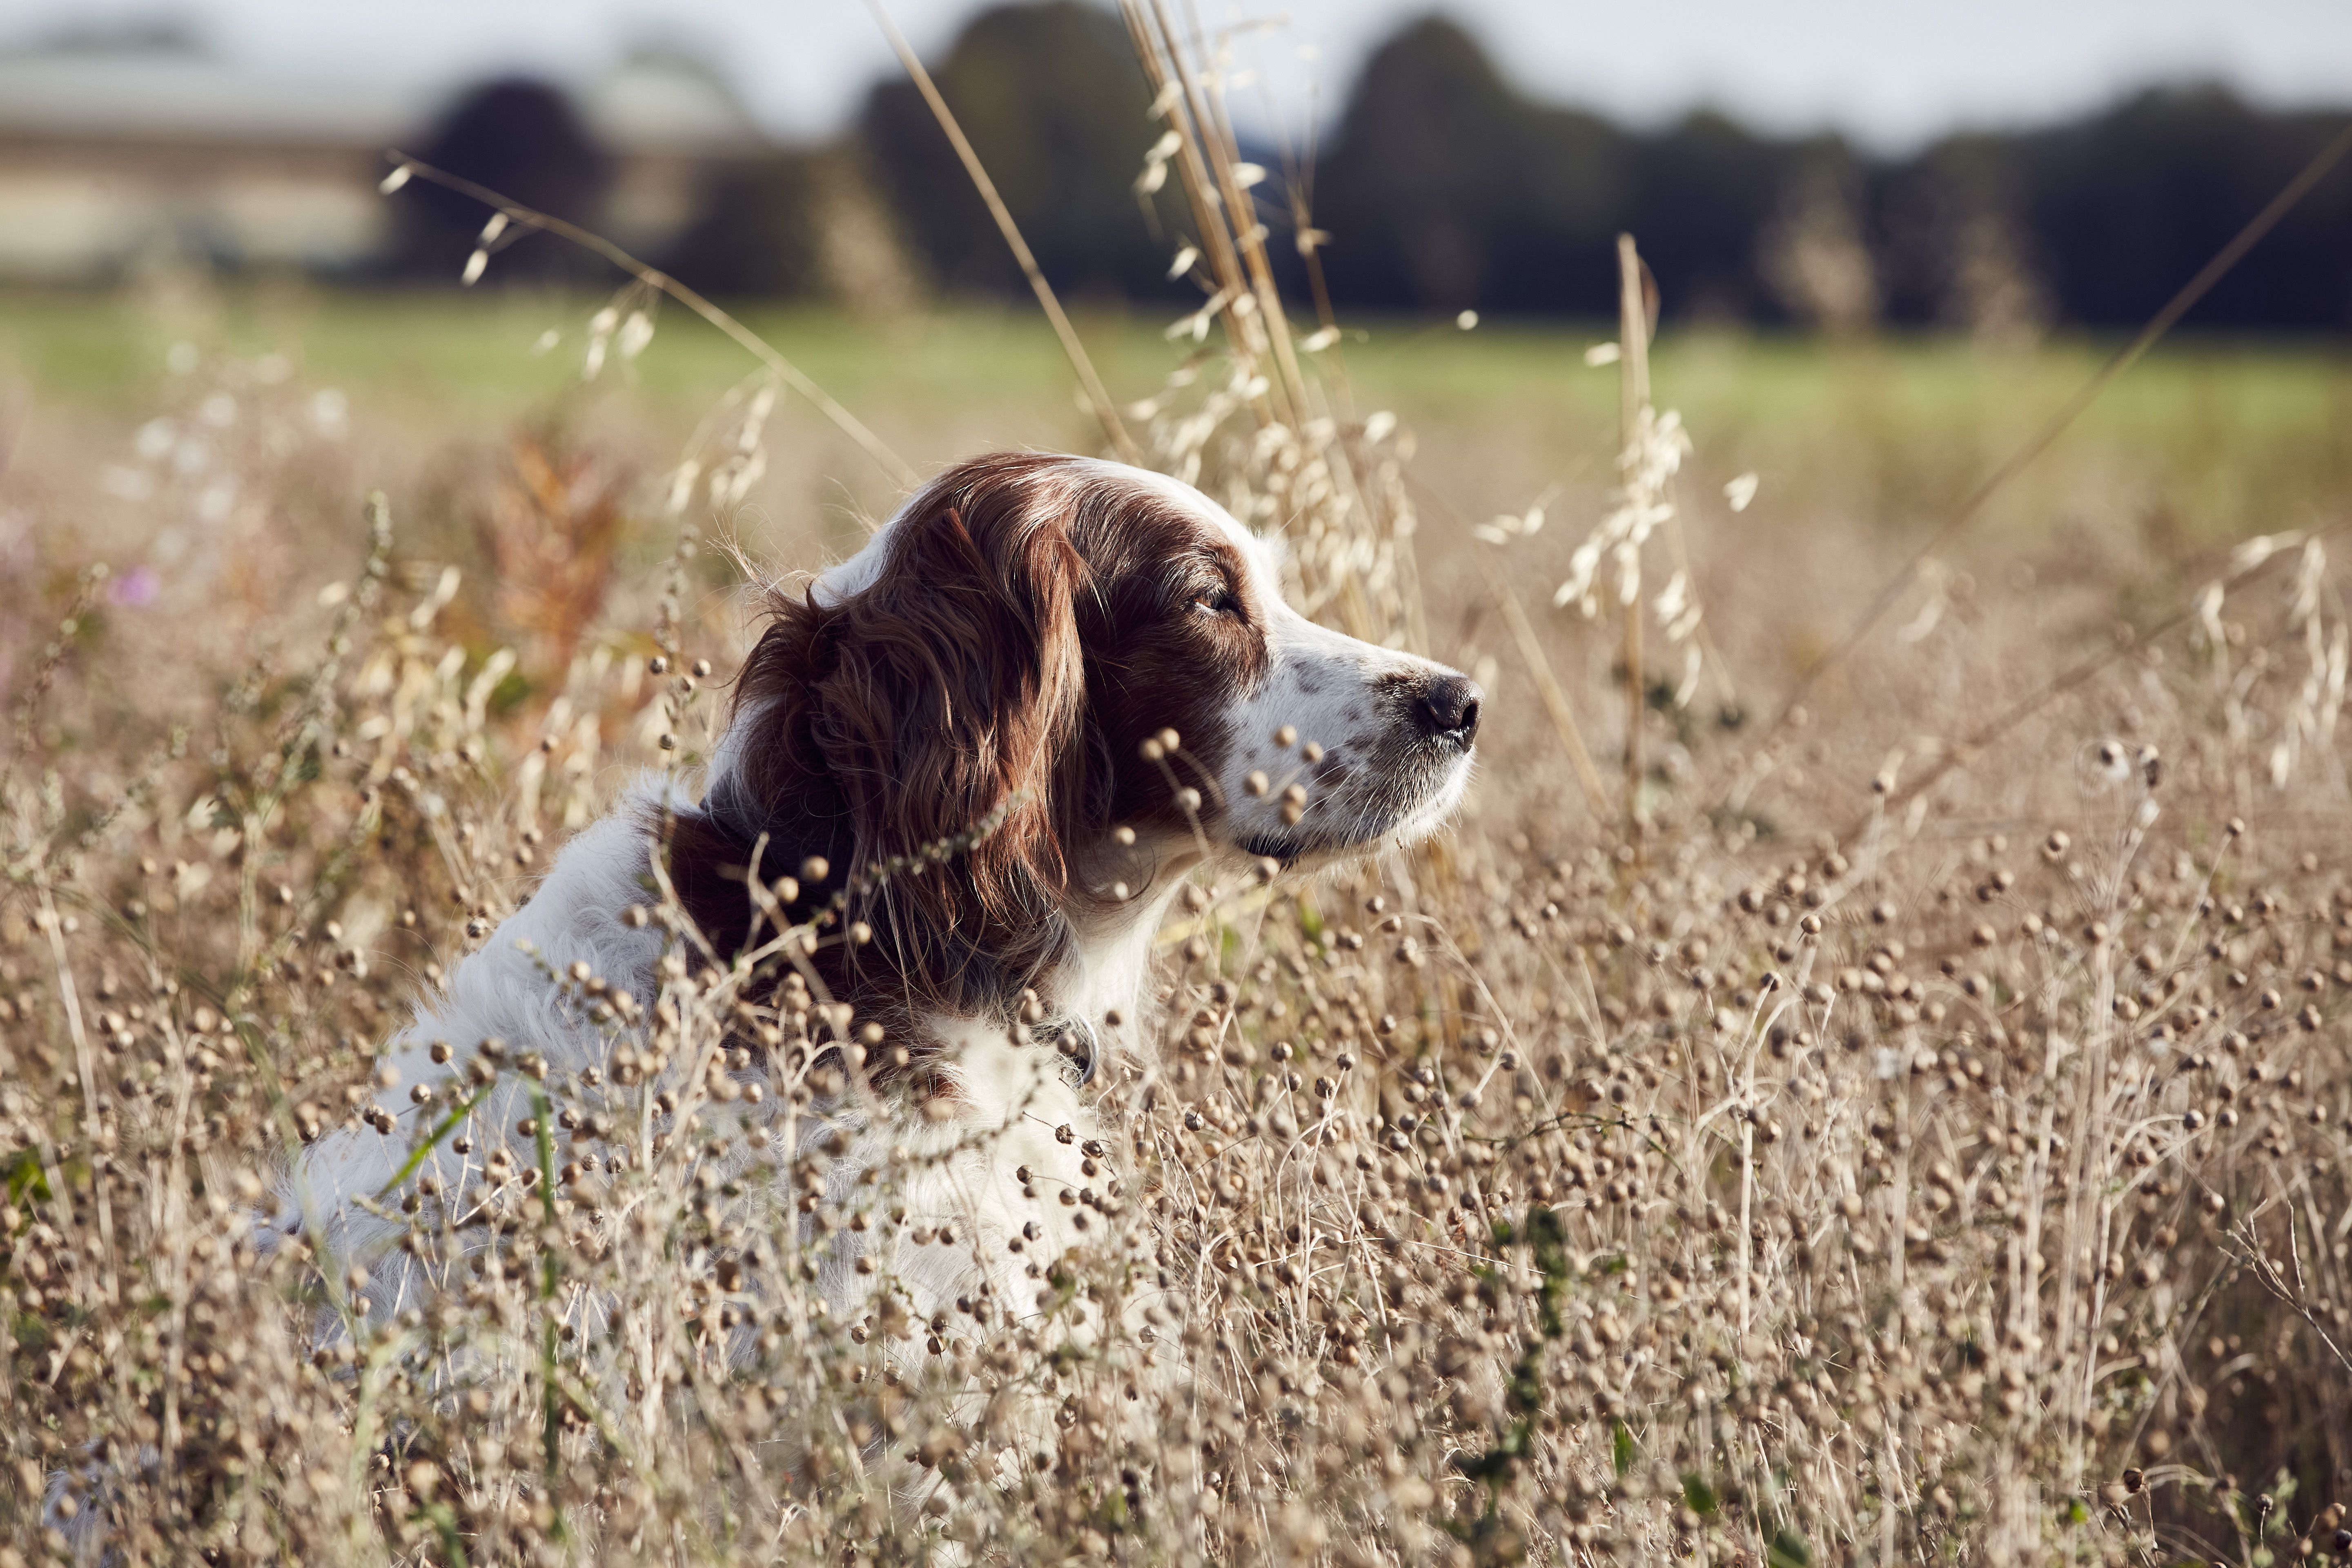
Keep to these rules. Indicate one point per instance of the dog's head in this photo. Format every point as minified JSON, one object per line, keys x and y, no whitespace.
{"x":1091,"y":669}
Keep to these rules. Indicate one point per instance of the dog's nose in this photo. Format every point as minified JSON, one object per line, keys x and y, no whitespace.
{"x":1447,"y":709}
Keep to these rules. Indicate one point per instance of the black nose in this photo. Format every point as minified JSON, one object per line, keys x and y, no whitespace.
{"x":1447,"y":709}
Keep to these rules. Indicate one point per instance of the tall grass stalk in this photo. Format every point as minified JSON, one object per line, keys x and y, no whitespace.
{"x":1917,"y":1133}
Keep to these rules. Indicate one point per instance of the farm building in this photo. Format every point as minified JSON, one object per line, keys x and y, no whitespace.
{"x":139,"y":146}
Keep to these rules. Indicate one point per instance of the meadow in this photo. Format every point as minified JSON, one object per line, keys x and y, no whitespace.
{"x":1908,"y":1127}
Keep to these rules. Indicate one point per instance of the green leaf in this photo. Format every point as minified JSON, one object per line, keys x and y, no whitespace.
{"x":1698,"y":1494}
{"x":1787,"y":1550}
{"x":1526,"y":1382}
{"x":1310,"y":920}
{"x":448,"y":1125}
{"x":1549,"y":1243}
{"x":509,"y":693}
{"x":25,"y":1175}
{"x":1620,"y":1447}
{"x":444,"y":1520}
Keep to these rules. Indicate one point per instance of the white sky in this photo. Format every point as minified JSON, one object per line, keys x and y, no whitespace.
{"x":1891,"y":72}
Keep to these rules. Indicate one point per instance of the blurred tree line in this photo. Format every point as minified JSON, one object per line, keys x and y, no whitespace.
{"x":1444,"y":188}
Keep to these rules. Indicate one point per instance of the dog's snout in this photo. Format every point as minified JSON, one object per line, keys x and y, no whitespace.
{"x":1447,"y":709}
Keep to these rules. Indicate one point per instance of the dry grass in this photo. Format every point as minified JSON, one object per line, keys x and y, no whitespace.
{"x":1917,"y":1132}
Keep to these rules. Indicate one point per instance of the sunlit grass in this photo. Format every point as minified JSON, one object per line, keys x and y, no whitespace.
{"x":2219,"y":435}
{"x":1863,"y":1148}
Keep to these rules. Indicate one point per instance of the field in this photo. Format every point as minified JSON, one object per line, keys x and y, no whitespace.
{"x":1909,"y":1128}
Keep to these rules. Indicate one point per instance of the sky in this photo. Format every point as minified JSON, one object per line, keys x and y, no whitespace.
{"x":1890,"y":73}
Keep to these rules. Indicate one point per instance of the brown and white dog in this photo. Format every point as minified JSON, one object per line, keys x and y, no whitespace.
{"x":1006,"y":655}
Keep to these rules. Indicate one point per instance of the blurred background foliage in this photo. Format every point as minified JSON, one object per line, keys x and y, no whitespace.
{"x":1441,"y":187}
{"x":1444,"y":188}
{"x":1055,"y":106}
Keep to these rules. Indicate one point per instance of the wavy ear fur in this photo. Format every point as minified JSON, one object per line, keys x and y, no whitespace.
{"x":945,"y":696}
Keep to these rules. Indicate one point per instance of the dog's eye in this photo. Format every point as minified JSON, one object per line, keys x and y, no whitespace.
{"x":1216,"y":602}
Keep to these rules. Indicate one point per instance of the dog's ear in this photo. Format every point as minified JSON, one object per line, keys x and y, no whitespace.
{"x":953,"y":691}
{"x":881,"y":728}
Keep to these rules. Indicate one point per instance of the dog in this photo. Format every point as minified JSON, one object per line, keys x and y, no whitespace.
{"x":964,"y":775}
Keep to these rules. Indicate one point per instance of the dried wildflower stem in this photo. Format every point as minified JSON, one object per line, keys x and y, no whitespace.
{"x":1169,"y":76}
{"x":69,"y":994}
{"x":1705,"y":631}
{"x":2042,"y":439}
{"x":1247,"y":301}
{"x":1555,"y":700}
{"x":1105,"y":412}
{"x":1177,"y":97}
{"x":1240,"y":209}
{"x":1979,"y":740}
{"x":53,"y":657}
{"x":654,"y":277}
{"x":1633,"y":401}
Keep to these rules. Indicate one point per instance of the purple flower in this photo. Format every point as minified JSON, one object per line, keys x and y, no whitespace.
{"x":135,"y":589}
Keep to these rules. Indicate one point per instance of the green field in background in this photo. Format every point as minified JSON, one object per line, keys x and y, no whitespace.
{"x":2229,"y":437}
